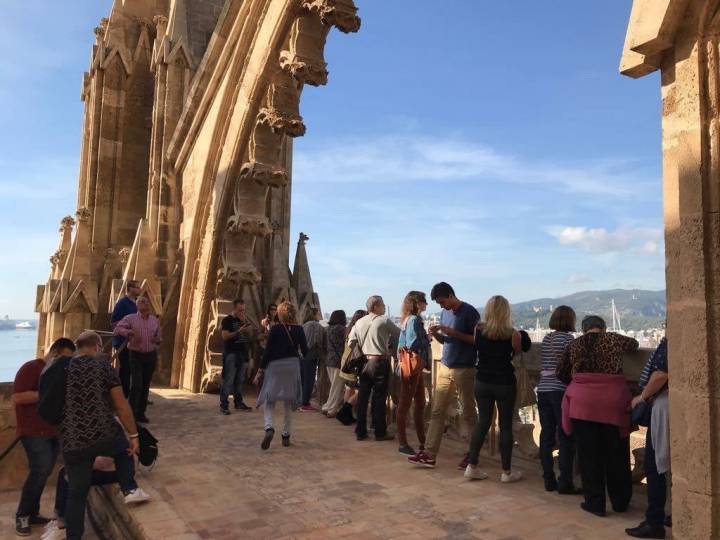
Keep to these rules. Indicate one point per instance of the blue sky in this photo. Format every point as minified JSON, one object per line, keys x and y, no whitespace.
{"x":493,"y":148}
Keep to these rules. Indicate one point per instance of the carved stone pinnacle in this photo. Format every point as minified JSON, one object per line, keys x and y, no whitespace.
{"x":83,"y":214}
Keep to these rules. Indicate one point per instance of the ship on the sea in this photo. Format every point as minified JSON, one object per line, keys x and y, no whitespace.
{"x":6,"y":323}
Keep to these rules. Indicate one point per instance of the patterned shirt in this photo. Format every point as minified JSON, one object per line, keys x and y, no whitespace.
{"x":657,"y":361}
{"x":553,"y":347}
{"x":595,"y":352}
{"x":335,"y":345}
{"x":146,"y":332}
{"x":88,"y":417}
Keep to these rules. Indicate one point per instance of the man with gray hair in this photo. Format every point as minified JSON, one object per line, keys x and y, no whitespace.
{"x":376,"y":336}
{"x":142,"y":329}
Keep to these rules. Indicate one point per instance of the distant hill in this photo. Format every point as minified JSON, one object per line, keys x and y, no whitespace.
{"x":638,"y":309}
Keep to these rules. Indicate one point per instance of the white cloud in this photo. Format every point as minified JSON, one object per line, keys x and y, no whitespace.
{"x":645,"y":240}
{"x":574,"y":279}
{"x":650,"y":247}
{"x":397,"y":158}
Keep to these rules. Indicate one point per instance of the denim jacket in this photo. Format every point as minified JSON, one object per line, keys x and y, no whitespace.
{"x":414,"y":337}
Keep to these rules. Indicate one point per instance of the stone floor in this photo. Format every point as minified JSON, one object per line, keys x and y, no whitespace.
{"x":213,"y":481}
{"x":8,"y":506}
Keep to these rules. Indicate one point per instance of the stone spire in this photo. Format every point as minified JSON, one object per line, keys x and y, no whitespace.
{"x":177,"y":30}
{"x":301,"y":280}
{"x":60,"y":256}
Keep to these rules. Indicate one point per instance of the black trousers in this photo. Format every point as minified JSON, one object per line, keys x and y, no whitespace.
{"x":79,"y":469}
{"x":124,"y":370}
{"x":308,"y":374}
{"x":142,"y":367}
{"x":656,"y":486}
{"x":604,"y":461}
{"x":550,"y":409}
{"x":487,"y":396}
{"x":373,"y":382}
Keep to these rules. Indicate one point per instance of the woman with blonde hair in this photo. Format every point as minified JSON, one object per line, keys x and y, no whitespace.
{"x":279,"y":373}
{"x":496,"y":342}
{"x":414,"y":356}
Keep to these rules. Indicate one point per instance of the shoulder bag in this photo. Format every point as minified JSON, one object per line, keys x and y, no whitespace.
{"x":356,"y":361}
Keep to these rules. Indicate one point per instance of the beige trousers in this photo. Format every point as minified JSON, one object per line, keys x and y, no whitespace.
{"x":451,"y":384}
{"x":337,"y":387}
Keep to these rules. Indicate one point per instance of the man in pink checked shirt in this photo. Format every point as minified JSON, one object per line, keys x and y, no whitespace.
{"x":143,"y":332}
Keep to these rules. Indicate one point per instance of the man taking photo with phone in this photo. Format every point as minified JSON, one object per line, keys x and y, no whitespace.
{"x":237,"y":331}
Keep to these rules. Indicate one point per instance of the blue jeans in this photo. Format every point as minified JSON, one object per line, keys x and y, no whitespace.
{"x":308,"y":372}
{"x":550,"y":409}
{"x":656,"y":486}
{"x":42,"y":452}
{"x":232,"y":374}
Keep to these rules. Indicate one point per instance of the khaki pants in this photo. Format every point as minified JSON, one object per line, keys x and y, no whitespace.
{"x":451,"y":384}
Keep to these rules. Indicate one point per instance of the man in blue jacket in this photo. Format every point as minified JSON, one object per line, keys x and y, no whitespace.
{"x":125,"y":306}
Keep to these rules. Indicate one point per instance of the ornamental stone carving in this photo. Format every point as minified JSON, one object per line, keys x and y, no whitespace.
{"x":83,"y":215}
{"x":252,"y":225}
{"x":124,"y":254}
{"x":305,"y":69}
{"x":67,"y":224}
{"x":339,"y":13}
{"x":282,"y":122}
{"x":264,"y":175}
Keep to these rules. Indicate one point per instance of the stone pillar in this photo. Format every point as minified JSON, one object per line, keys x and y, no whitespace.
{"x":691,"y":155}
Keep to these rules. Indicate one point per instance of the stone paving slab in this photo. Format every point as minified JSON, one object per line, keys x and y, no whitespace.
{"x":213,"y":481}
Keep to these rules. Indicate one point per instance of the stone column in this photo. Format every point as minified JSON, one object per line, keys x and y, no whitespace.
{"x":691,"y":148}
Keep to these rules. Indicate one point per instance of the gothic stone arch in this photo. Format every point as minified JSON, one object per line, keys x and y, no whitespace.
{"x":233,"y":155}
{"x":204,"y":96}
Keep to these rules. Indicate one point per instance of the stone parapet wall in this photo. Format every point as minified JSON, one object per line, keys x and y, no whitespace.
{"x":14,"y":466}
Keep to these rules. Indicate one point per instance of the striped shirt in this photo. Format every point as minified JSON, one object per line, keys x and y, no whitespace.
{"x":553,"y":347}
{"x":146,"y":332}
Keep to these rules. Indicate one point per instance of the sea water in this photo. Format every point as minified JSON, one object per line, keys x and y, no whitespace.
{"x":16,"y":348}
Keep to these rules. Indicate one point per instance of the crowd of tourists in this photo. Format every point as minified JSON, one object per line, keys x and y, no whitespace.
{"x":74,"y":403}
{"x":585,"y":406}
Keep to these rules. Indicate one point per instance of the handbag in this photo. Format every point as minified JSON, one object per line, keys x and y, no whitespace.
{"x":641,"y":414}
{"x":410,"y":363}
{"x":356,"y":362}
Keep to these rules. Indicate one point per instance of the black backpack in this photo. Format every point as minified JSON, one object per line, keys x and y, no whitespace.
{"x":148,"y":447}
{"x":51,"y":390}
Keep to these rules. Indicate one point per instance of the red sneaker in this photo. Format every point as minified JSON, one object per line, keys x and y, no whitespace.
{"x":464,"y":463}
{"x":308,"y":408}
{"x":423,"y":460}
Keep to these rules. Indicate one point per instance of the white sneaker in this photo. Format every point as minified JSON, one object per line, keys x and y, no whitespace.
{"x":136,"y":496}
{"x":54,"y":534}
{"x":514,"y":476}
{"x":474,"y":473}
